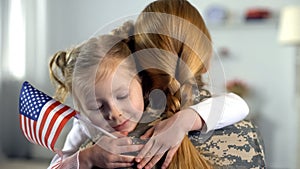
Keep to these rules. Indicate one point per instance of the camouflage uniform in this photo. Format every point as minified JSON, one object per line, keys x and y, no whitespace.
{"x":235,"y":146}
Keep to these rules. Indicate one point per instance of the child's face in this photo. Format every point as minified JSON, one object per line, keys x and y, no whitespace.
{"x":120,"y":100}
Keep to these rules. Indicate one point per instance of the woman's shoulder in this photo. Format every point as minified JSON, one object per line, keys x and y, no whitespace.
{"x":237,"y":145}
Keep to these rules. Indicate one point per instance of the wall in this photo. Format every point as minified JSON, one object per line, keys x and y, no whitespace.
{"x":269,"y":71}
{"x":1,"y":151}
{"x":256,"y":57}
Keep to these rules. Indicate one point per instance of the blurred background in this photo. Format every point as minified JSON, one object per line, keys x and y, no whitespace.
{"x":259,"y":64}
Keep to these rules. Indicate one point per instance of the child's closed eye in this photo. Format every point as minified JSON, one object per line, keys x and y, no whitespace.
{"x":121,"y":97}
{"x":96,"y":108}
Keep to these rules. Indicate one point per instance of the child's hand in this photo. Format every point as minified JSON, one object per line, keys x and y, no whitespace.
{"x":167,"y":135}
{"x":106,"y":153}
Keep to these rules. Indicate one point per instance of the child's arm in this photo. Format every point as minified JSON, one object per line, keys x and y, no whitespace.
{"x":74,"y":139}
{"x":213,"y":113}
{"x":221,"y":111}
{"x":105,"y":153}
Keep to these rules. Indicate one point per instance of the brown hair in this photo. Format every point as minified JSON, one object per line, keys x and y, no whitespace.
{"x":173,"y":35}
{"x":61,"y":68}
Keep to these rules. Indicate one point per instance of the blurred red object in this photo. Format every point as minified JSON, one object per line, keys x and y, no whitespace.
{"x":257,"y":13}
{"x":238,"y":87}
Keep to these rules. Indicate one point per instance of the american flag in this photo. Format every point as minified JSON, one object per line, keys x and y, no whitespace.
{"x":41,"y":117}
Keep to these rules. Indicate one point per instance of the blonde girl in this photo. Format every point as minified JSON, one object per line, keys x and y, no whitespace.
{"x":88,"y":71}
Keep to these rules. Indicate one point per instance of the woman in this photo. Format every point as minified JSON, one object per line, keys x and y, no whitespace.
{"x":175,"y":28}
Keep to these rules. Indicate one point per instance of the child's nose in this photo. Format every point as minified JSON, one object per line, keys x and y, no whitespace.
{"x":114,"y":113}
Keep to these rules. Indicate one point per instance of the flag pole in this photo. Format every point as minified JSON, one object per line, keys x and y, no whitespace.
{"x":79,"y":117}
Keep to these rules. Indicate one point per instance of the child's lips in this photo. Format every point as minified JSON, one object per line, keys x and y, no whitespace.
{"x":121,"y":126}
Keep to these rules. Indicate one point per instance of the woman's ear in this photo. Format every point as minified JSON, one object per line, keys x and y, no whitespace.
{"x":205,"y":66}
{"x":203,"y":70}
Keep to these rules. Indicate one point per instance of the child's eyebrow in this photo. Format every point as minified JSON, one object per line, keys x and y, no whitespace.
{"x":93,"y":104}
{"x":121,"y":88}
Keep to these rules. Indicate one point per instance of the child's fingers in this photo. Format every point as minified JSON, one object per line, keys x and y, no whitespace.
{"x":153,"y":161}
{"x":169,"y":156}
{"x":148,"y":133}
{"x":144,"y":151}
{"x":123,"y":141}
{"x":120,"y":165}
{"x":148,"y":156}
{"x":118,"y":134}
{"x":128,"y":149}
{"x":125,"y":159}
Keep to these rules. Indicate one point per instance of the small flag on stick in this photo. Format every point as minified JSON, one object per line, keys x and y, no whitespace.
{"x":41,"y":117}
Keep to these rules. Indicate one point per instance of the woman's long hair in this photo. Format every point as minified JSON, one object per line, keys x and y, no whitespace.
{"x":173,"y":49}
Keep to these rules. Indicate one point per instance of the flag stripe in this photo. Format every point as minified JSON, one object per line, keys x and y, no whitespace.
{"x":52,"y":122}
{"x":24,"y":130}
{"x":45,"y":118}
{"x":39,"y":126}
{"x":34,"y":131}
{"x":63,"y":122}
{"x":28,"y":129}
{"x":32,"y":122}
{"x":22,"y":126}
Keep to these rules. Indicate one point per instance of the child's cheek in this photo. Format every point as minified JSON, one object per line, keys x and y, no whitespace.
{"x":136,"y":97}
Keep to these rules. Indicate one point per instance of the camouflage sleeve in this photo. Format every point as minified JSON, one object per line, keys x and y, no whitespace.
{"x":235,"y":146}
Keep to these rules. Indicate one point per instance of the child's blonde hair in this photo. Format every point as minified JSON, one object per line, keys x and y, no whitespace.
{"x":76,"y":71}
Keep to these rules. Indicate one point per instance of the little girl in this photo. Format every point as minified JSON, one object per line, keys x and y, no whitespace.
{"x":101,"y":76}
